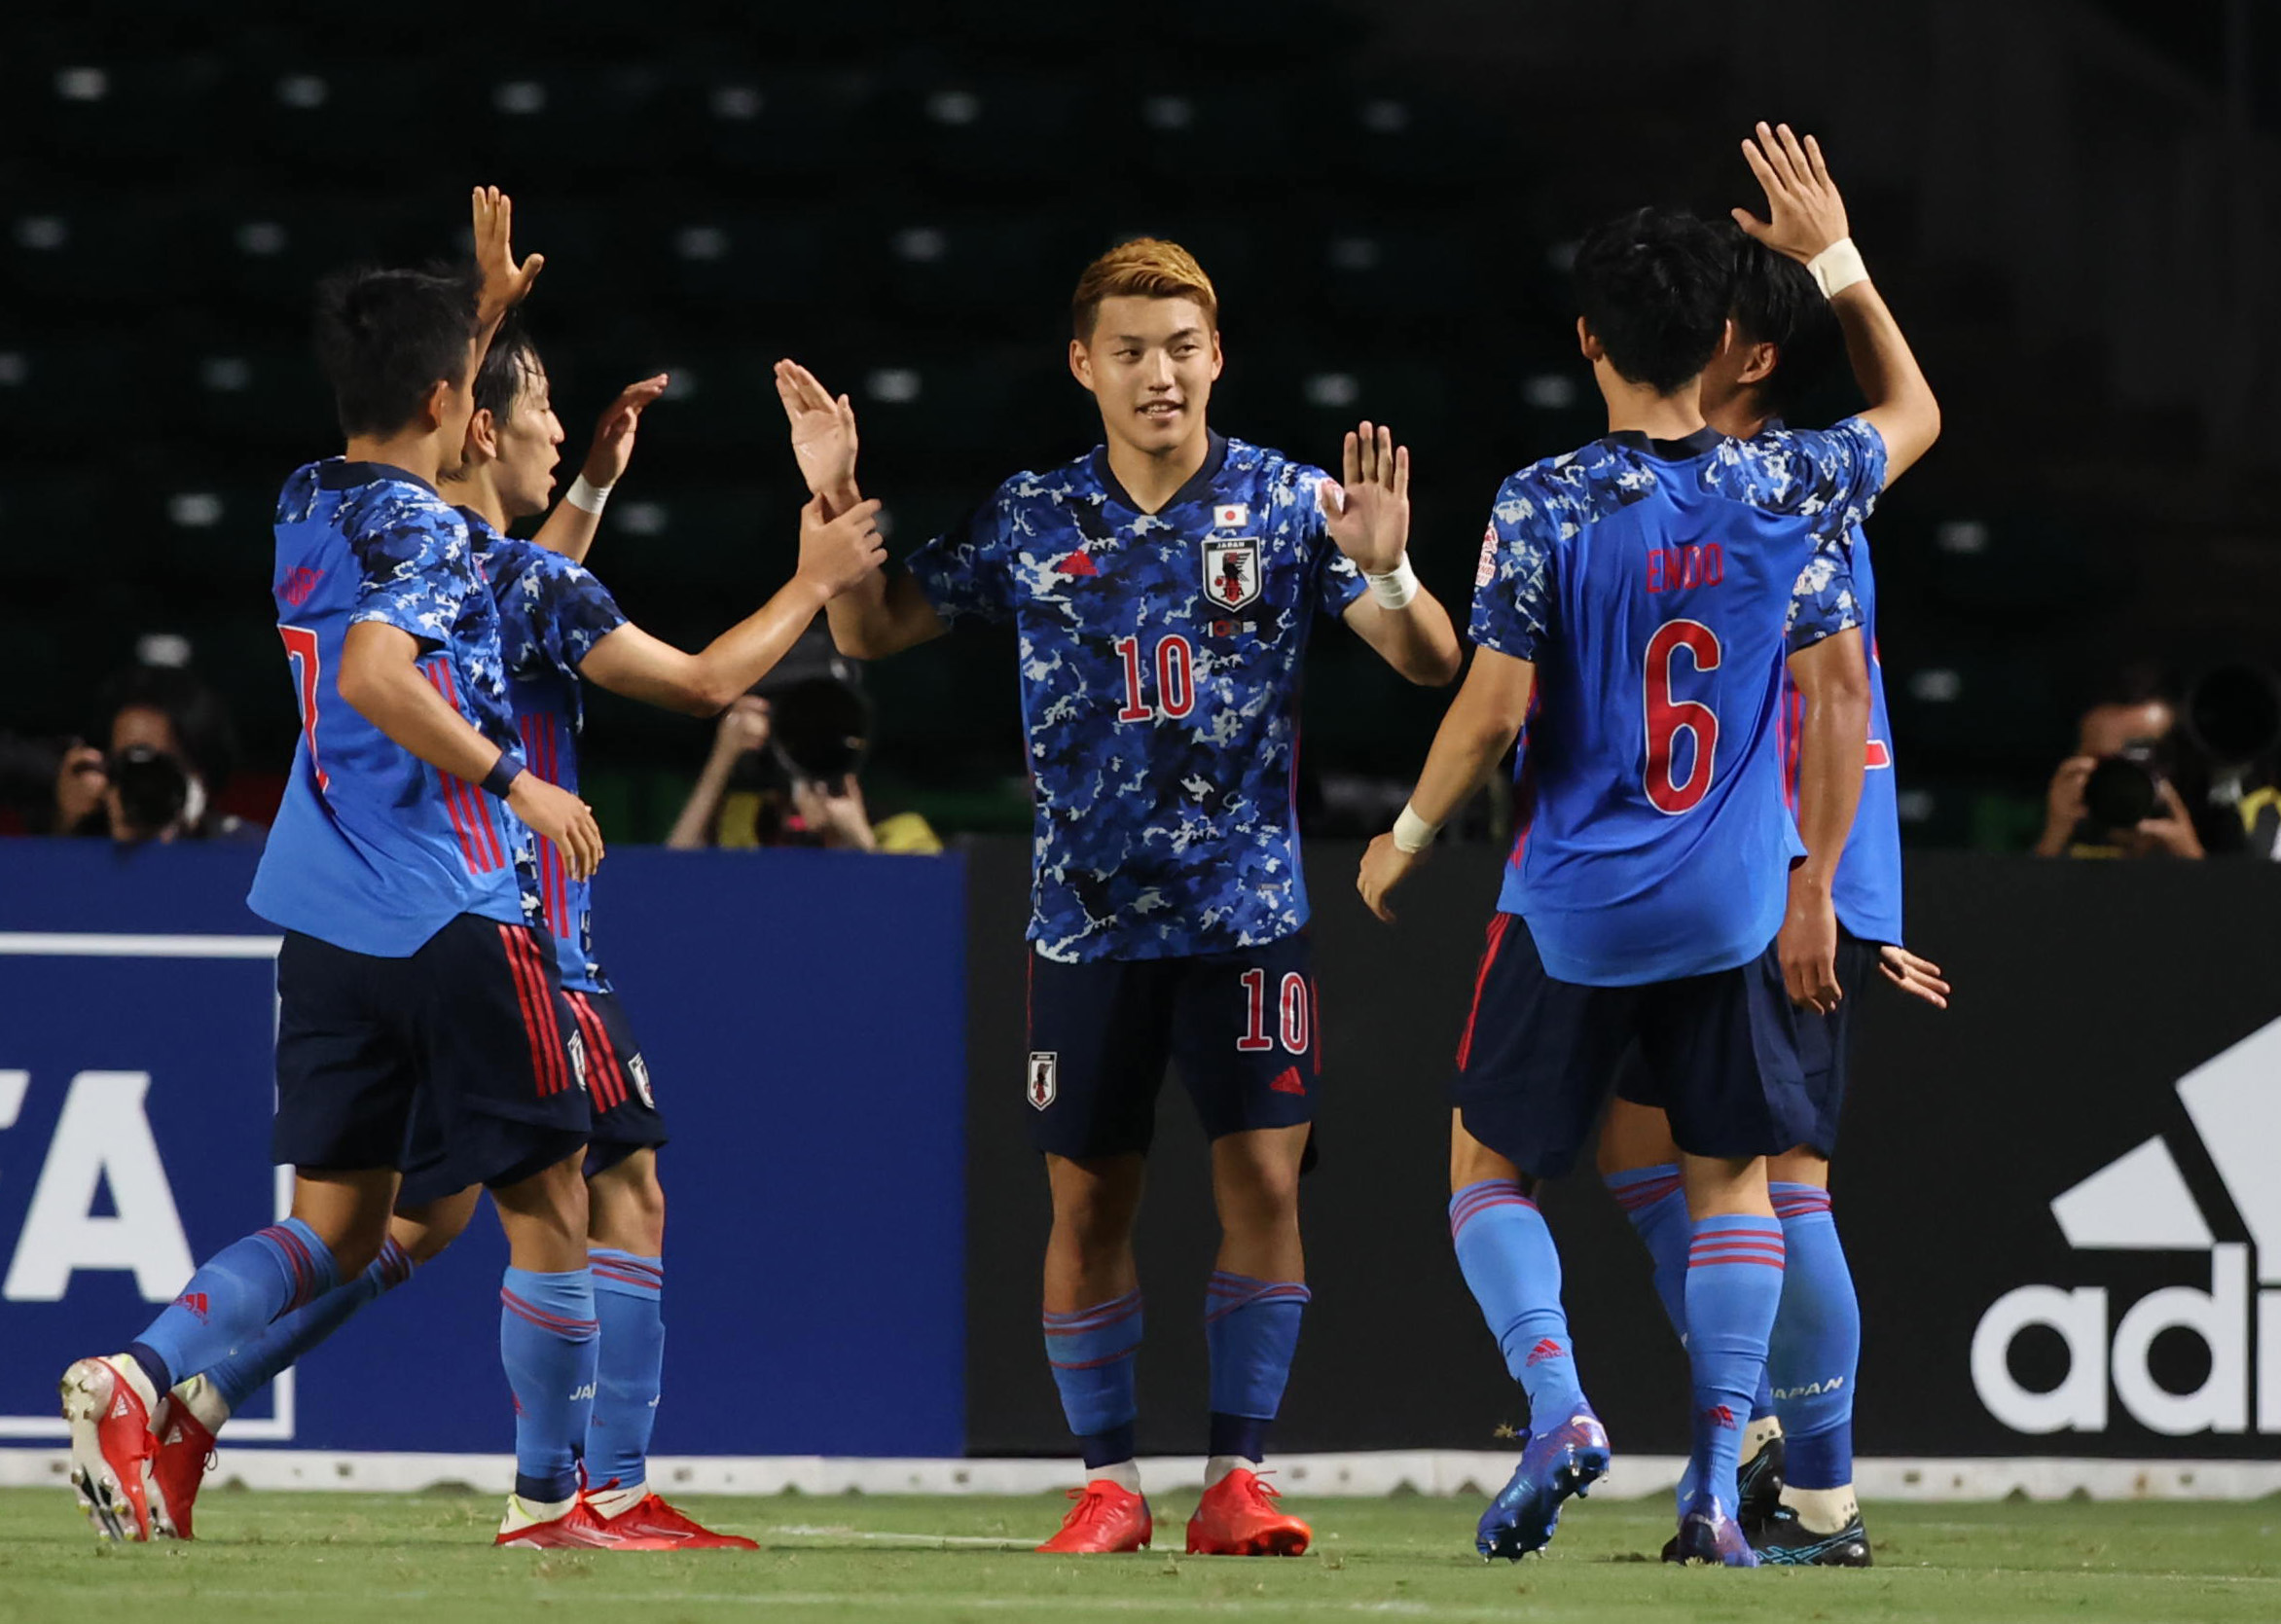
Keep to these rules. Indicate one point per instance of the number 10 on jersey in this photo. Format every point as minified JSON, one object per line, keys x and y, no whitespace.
{"x":1175,"y":679}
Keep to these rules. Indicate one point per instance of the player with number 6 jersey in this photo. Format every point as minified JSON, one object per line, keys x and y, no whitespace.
{"x":1637,"y":603}
{"x":1162,"y":589}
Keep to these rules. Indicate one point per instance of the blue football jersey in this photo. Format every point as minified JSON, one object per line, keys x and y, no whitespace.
{"x":1867,"y":891}
{"x":374,"y":850}
{"x":1658,"y":586}
{"x":1159,"y":660}
{"x":552,"y":612}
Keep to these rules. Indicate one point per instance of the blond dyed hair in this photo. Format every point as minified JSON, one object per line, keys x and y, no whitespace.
{"x":1145,"y":267}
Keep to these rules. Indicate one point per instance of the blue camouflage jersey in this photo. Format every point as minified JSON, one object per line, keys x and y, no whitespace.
{"x":374,"y":850}
{"x":552,"y":612}
{"x":1159,"y":658}
{"x":1866,"y":889}
{"x":1659,"y":585}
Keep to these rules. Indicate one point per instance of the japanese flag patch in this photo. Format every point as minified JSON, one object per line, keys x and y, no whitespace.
{"x":1230,"y":516}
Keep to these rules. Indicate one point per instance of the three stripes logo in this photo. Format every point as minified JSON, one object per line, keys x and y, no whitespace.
{"x":2141,"y":1203}
{"x":1545,"y":1348}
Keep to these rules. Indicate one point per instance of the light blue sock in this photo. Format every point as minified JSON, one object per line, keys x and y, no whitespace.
{"x":1092,"y":1354}
{"x":1734,"y":1284}
{"x":254,"y":1366}
{"x":232,"y":1298}
{"x":1508,"y":1259}
{"x":1251,"y":1329}
{"x":547,"y":1342}
{"x":1817,"y":1343}
{"x":1655,"y":1201}
{"x":629,"y":1369}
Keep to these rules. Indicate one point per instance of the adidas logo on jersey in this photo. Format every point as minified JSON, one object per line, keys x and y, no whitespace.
{"x":1545,"y":1348}
{"x":2140,"y":1202}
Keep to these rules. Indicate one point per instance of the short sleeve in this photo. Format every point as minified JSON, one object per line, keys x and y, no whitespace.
{"x":1337,"y":582}
{"x":967,"y":571}
{"x":416,"y":571}
{"x":1822,"y":603}
{"x":1832,"y":477}
{"x":1512,"y":587}
{"x":571,"y":610}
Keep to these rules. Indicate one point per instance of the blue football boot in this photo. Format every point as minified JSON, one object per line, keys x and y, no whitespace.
{"x":1568,"y":1460}
{"x":1708,"y":1536}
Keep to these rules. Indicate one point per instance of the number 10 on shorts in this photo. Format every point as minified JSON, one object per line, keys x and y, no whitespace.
{"x":1294,"y":1012}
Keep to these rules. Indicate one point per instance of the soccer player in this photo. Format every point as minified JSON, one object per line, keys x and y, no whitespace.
{"x":558,"y":623}
{"x":1163,"y":587}
{"x":1797,"y":1507}
{"x":401,"y":867}
{"x":1659,"y":575}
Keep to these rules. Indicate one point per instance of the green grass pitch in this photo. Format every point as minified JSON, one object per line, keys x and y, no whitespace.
{"x":318,"y":1558}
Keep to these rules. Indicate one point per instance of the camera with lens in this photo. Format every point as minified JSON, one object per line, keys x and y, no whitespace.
{"x":153,"y":787}
{"x":2125,"y":788}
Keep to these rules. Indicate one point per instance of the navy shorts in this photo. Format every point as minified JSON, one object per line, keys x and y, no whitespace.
{"x":1825,"y":1049}
{"x":626,"y":1115}
{"x":1241,"y":1027}
{"x":471,"y":1031}
{"x":1538,"y":1056}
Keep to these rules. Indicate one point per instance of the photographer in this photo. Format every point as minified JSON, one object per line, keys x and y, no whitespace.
{"x":169,"y":750}
{"x":2118,"y":796}
{"x":783,"y":764}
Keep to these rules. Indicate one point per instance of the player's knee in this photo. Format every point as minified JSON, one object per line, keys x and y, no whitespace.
{"x":423,"y":1231}
{"x":353,"y":1253}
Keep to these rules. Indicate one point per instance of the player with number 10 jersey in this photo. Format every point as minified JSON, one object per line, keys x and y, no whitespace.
{"x":1163,"y":588}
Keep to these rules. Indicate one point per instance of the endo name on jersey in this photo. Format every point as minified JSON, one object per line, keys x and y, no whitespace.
{"x":1659,"y":585}
{"x":1160,"y":664}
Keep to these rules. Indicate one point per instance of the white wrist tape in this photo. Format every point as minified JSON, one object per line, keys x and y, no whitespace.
{"x":587,"y":498}
{"x":1412,"y":833}
{"x":1396,"y":586}
{"x":1837,"y":268}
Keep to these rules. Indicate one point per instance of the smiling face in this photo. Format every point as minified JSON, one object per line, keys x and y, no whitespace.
{"x":1150,"y":364}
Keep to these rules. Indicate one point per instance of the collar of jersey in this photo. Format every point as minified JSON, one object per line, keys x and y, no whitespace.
{"x":1198,"y":485}
{"x":478,"y":527}
{"x":1701,"y":443}
{"x":341,"y":474}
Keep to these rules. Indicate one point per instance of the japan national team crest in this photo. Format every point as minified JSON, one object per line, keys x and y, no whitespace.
{"x":578,"y":1059}
{"x":638,"y":1069}
{"x":1045,"y":1077}
{"x":1231,"y":571}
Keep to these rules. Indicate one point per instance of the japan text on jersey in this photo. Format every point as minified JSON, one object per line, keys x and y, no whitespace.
{"x":552,"y":612}
{"x":1160,"y":661}
{"x":1658,"y":586}
{"x":374,"y":850}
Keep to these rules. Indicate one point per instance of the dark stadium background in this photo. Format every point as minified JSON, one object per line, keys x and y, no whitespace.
{"x":2074,"y":208}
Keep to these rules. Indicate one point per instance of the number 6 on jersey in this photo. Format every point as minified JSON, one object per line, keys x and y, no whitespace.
{"x":1668,"y":716}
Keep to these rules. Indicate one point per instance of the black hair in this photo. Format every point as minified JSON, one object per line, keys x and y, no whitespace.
{"x":1653,"y":287}
{"x":385,"y":338}
{"x":1776,"y":300}
{"x":203,"y":730}
{"x":2133,"y":683}
{"x":507,"y":369}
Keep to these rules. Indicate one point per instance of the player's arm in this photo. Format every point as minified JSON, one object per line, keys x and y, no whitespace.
{"x":501,"y":283}
{"x":836,"y":554}
{"x":1483,"y":721}
{"x":1808,"y":223}
{"x":1367,"y":515}
{"x":881,"y":614}
{"x":571,"y":528}
{"x":380,"y":678}
{"x":1833,"y":681}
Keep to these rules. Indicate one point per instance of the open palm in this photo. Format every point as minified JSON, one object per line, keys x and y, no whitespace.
{"x":1367,"y":512}
{"x":824,"y":429}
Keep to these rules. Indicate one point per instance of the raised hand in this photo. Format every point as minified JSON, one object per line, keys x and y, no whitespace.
{"x":1919,"y":978}
{"x":613,"y":436}
{"x":837,"y":553}
{"x":559,"y":816}
{"x":1808,"y":215}
{"x":504,"y":283}
{"x":823,"y":430}
{"x":1367,"y":511}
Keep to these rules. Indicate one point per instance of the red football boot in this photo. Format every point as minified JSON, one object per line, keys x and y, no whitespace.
{"x":111,"y":1447}
{"x":1238,"y":1517}
{"x":651,"y":1515}
{"x":1106,"y":1518}
{"x":186,"y":1450}
{"x":578,"y":1529}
